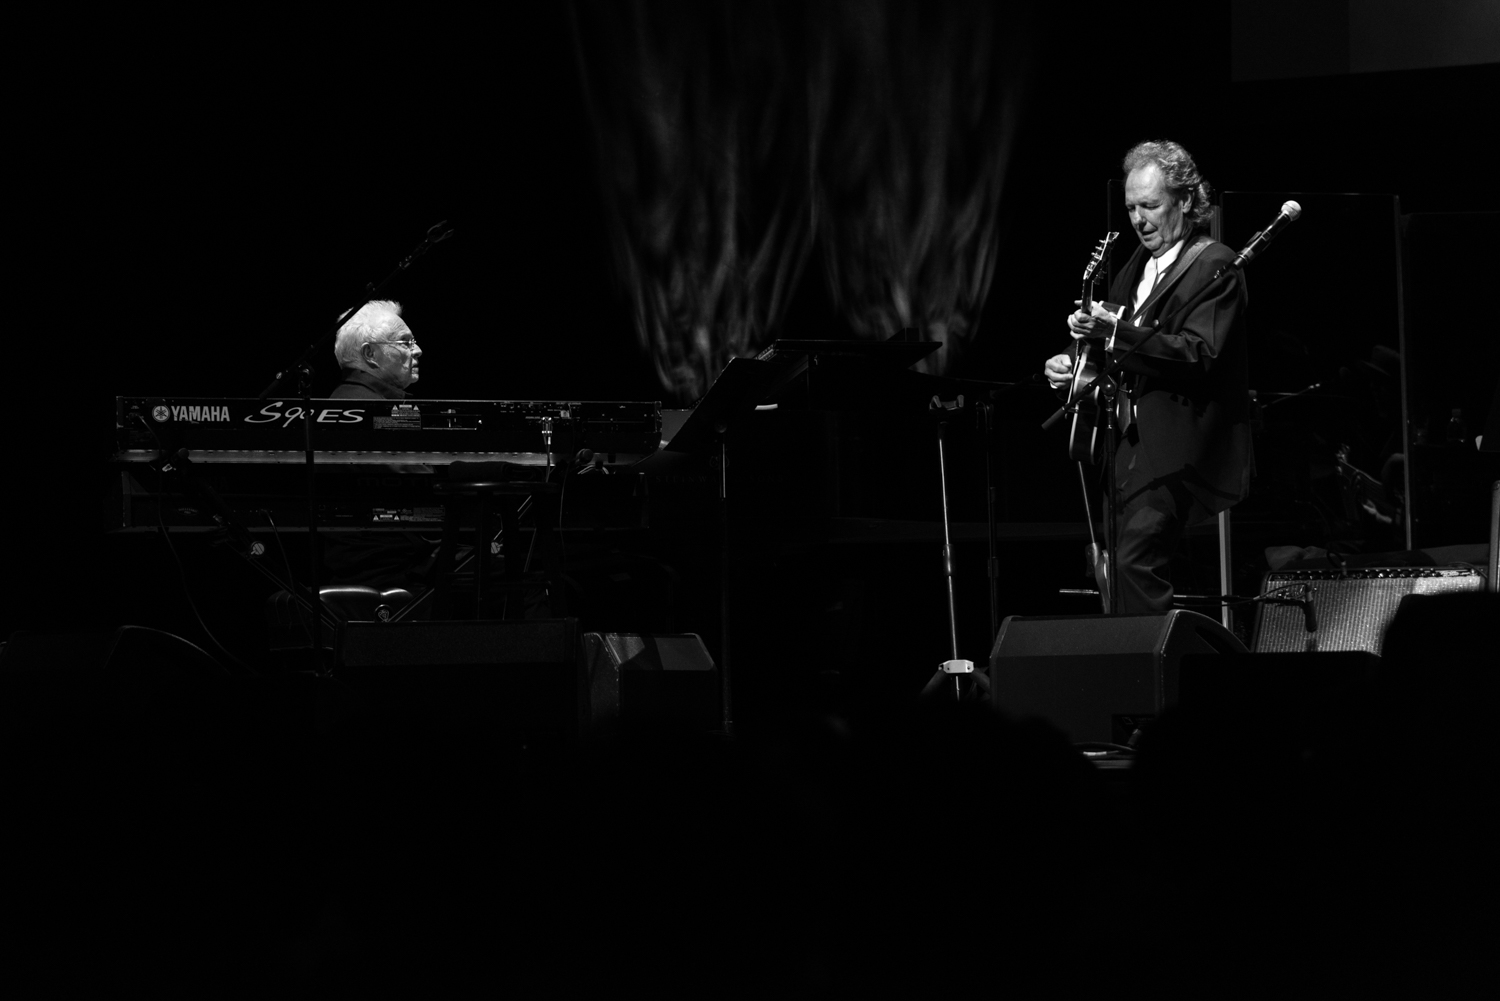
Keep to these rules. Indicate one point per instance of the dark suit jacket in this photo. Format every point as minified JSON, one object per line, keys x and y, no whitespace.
{"x":357,"y":385}
{"x":1190,"y":383}
{"x":375,"y":559}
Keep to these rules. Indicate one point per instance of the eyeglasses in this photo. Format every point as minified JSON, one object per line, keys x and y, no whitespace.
{"x":406,"y":345}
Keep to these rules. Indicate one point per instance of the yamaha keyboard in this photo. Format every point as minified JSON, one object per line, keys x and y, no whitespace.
{"x":181,"y":462}
{"x":431,"y":432}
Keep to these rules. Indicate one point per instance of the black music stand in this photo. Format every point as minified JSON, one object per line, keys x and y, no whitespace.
{"x":798,"y":356}
{"x":900,"y":353}
{"x":733,"y":396}
{"x":861,"y":363}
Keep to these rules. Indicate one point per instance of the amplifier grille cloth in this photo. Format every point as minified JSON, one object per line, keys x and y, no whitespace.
{"x":1353,"y":609}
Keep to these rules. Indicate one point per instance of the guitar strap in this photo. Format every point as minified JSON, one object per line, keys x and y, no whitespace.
{"x":1125,"y":416}
{"x":1178,"y":269}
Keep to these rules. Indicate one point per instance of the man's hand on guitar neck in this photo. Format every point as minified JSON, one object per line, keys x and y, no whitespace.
{"x":1099,"y":322}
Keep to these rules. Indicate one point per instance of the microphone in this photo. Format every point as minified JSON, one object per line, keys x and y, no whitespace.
{"x":1309,"y":615}
{"x":1290,"y":212}
{"x":436,"y":234}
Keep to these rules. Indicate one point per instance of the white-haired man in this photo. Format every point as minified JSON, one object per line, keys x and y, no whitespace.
{"x":377,"y":353}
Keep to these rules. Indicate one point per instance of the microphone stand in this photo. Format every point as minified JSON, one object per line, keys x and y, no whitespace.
{"x":302,"y":368}
{"x":955,"y":667}
{"x":944,"y":412}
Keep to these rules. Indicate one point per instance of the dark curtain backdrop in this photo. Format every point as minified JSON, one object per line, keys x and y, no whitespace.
{"x":734,"y":139}
{"x":910,"y":181}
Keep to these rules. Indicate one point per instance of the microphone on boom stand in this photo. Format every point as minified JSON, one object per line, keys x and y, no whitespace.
{"x":1290,"y":212}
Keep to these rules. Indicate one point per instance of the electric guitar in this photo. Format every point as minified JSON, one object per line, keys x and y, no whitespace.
{"x":1089,"y":359}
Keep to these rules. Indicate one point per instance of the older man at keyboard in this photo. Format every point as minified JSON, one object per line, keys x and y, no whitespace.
{"x":377,"y":354}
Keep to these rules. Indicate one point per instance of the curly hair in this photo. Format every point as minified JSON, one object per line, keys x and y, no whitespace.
{"x":1180,"y":172}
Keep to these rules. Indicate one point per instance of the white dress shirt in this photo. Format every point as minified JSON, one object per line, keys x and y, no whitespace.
{"x":1155,"y":267}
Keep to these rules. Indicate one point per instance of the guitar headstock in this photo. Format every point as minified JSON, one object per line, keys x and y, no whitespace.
{"x":1098,"y":257}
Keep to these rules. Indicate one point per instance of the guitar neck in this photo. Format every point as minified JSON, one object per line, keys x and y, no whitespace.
{"x":1087,"y":296}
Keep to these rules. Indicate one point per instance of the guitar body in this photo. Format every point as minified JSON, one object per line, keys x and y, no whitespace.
{"x":1085,"y":433}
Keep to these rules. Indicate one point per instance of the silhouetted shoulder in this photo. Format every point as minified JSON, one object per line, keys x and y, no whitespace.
{"x":353,"y":391}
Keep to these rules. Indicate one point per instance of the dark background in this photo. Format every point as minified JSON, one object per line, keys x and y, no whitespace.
{"x":199,"y":199}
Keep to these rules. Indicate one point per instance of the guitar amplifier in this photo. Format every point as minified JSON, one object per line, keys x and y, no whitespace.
{"x":1352,"y":608}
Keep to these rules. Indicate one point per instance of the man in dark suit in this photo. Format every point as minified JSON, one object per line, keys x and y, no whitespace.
{"x":1184,"y":450}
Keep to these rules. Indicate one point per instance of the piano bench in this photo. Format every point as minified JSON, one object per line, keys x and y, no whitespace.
{"x":287,"y":627}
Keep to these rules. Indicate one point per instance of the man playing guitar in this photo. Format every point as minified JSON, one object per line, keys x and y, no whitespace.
{"x":1184,"y":450}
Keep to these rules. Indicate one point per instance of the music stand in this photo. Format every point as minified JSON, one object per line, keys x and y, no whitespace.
{"x":870,"y":360}
{"x":901,"y":354}
{"x":733,"y":396}
{"x":894,"y":355}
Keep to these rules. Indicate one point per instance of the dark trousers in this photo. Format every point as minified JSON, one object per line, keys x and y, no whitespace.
{"x":1153,"y":516}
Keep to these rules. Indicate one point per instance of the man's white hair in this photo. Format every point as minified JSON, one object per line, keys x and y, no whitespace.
{"x":369,"y":323}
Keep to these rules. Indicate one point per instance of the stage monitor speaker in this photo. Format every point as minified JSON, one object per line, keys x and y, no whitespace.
{"x":522,"y":677}
{"x":639,"y":679}
{"x":1352,"y":608}
{"x":1098,"y":677}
